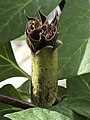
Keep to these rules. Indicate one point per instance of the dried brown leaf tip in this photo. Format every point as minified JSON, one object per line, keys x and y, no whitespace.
{"x":41,"y":34}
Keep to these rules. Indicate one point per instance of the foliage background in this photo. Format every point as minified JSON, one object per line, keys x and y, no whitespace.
{"x":74,"y":59}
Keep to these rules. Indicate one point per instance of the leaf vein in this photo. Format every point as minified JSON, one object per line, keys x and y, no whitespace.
{"x":72,"y":55}
{"x":15,"y":14}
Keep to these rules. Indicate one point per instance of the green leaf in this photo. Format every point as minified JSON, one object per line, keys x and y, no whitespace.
{"x":77,"y":116}
{"x":8,"y":90}
{"x":37,"y":114}
{"x":74,"y":27}
{"x":24,"y":90}
{"x":62,"y":110}
{"x":12,"y":19}
{"x":57,"y":112}
{"x":79,"y":86}
{"x":62,"y":92}
{"x":8,"y":65}
{"x":79,"y":105}
{"x":67,"y":112}
{"x":3,"y":118}
{"x":5,"y":109}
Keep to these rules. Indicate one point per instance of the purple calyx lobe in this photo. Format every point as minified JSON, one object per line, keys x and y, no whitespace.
{"x":41,"y":35}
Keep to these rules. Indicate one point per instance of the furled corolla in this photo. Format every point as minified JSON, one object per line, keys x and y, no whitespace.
{"x":41,"y":34}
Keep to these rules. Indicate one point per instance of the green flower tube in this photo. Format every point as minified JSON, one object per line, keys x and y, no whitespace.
{"x":44,"y":77}
{"x":42,"y":40}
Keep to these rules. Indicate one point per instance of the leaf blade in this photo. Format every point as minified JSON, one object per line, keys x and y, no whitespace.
{"x":12,"y":14}
{"x":10,"y":91}
{"x":31,"y":114}
{"x":75,"y":33}
{"x":24,"y":90}
{"x":79,"y":105}
{"x":8,"y":65}
{"x":79,"y":86}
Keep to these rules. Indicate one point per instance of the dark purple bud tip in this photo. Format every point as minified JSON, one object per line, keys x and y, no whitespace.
{"x":41,"y":35}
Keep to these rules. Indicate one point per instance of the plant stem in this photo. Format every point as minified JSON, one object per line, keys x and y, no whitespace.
{"x":44,"y":77}
{"x":15,"y":102}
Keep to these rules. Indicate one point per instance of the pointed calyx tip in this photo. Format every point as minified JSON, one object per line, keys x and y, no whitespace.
{"x":41,"y":34}
{"x":43,"y":17}
{"x":27,"y":17}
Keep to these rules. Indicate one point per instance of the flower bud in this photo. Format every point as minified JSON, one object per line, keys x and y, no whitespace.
{"x":41,"y":34}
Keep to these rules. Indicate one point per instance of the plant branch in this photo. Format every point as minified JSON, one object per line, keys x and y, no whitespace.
{"x":15,"y":102}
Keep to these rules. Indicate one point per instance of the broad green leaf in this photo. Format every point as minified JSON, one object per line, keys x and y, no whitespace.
{"x":62,"y":110}
{"x":12,"y":18}
{"x":3,"y":118}
{"x":74,"y":28}
{"x":77,"y":116}
{"x":62,"y":92}
{"x":24,"y":90}
{"x":79,"y":105}
{"x":79,"y":86}
{"x":8,"y":90}
{"x":37,"y":114}
{"x":8,"y":65}
{"x":5,"y":109}
{"x":57,"y":112}
{"x":54,"y":113}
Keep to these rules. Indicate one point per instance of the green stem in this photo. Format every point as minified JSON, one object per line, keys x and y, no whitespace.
{"x":44,"y":77}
